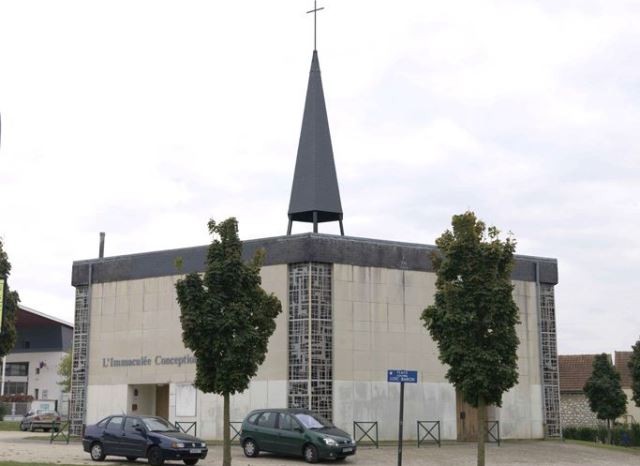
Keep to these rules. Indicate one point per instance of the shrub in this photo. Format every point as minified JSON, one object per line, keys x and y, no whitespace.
{"x":3,"y":412}
{"x":16,"y":398}
{"x":624,"y":435}
{"x":635,"y":435}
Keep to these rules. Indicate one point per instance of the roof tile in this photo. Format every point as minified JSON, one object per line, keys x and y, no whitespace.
{"x":575,"y":370}
{"x":622,"y":364}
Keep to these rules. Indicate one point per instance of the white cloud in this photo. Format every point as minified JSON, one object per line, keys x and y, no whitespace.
{"x":145,"y":118}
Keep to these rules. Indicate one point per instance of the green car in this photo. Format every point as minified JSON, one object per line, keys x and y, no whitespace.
{"x":297,"y":432}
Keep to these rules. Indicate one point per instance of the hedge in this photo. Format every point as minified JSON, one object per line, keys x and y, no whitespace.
{"x":624,"y":435}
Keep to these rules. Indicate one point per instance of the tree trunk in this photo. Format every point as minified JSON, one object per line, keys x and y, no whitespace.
{"x":226,"y":449}
{"x":609,"y":431}
{"x":482,"y":429}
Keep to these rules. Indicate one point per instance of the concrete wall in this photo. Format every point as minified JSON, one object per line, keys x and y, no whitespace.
{"x":376,"y":327}
{"x":143,"y":398}
{"x":141,"y":318}
{"x":106,"y":399}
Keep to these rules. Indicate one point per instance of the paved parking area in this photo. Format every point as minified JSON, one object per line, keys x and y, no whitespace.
{"x":14,"y":447}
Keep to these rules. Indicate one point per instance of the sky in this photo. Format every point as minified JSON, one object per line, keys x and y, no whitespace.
{"x":144,"y":119}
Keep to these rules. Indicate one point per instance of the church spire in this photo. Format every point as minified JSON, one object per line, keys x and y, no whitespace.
{"x":315,"y":196}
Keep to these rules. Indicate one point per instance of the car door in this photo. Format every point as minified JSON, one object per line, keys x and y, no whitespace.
{"x":112,"y":436}
{"x":266,"y":431}
{"x":291,"y":435}
{"x":134,"y":437}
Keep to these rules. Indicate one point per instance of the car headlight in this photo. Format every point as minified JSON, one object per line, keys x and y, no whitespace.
{"x":177,"y":445}
{"x":330,"y":442}
{"x":203,"y":445}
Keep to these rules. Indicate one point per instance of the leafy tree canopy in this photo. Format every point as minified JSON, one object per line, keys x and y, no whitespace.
{"x":227,"y":318}
{"x":604,"y":390}
{"x":474,"y":316}
{"x":11,"y":300}
{"x":634,"y":367}
{"x":64,"y":371}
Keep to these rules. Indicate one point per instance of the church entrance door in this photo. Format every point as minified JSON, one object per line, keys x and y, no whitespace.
{"x":162,"y":401}
{"x":467,"y":420}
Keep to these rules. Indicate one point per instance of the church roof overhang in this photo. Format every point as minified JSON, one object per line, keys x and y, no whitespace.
{"x":305,"y":247}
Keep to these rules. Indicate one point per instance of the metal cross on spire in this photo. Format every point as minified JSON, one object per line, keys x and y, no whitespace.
{"x":315,"y":21}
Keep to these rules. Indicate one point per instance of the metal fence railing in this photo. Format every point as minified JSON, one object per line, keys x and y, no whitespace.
{"x":493,"y":432}
{"x":363,"y":430}
{"x":60,"y":429}
{"x":15,"y":408}
{"x":188,"y":427}
{"x":236,"y":430}
{"x":428,"y":431}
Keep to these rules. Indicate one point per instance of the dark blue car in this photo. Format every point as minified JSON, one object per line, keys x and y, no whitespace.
{"x":142,"y":437}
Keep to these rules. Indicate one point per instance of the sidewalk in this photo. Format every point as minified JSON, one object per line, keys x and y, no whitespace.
{"x":14,"y":447}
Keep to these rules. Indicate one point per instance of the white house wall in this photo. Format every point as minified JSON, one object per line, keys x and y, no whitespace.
{"x":46,"y":381}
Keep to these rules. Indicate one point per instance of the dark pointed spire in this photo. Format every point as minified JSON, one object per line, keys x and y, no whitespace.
{"x":315,"y":196}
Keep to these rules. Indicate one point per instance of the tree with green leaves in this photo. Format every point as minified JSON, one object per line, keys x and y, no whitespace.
{"x":10,"y":310}
{"x":64,"y":371}
{"x":604,"y":391}
{"x":473,"y":319}
{"x":634,"y":367}
{"x":227,"y":319}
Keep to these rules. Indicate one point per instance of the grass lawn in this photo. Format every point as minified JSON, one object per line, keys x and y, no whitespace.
{"x":9,"y":425}
{"x":604,"y":446}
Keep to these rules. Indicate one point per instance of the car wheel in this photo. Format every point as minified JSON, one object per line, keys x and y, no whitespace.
{"x":132,"y":458}
{"x":97,"y":452}
{"x":46,"y":430}
{"x":23,"y":427}
{"x":155,"y":457}
{"x":190,"y":462}
{"x":250,"y":448}
{"x":310,"y":454}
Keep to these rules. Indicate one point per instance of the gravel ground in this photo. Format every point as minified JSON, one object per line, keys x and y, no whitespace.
{"x":14,"y":446}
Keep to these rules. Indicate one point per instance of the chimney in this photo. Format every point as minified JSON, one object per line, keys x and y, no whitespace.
{"x":101,"y":252}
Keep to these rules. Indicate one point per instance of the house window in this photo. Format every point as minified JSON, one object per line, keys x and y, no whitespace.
{"x":15,"y":388}
{"x":17,"y":369}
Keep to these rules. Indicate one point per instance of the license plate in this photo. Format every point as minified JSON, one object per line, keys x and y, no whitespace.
{"x":195,"y":450}
{"x":347,"y":450}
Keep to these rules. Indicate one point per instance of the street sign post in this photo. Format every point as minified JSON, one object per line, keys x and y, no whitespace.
{"x":401,"y":376}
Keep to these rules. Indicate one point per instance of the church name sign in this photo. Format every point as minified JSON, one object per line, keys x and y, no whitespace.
{"x":147,"y":361}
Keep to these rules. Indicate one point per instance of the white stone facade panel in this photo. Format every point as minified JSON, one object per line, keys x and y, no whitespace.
{"x":105,"y":400}
{"x":380,"y":401}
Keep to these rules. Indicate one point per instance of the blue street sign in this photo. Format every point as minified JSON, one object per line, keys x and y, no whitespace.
{"x":401,"y":375}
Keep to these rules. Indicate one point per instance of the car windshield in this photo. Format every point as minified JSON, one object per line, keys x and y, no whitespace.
{"x":312,"y":421}
{"x":156,"y":424}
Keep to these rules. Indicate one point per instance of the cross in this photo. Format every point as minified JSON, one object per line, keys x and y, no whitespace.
{"x":315,"y":23}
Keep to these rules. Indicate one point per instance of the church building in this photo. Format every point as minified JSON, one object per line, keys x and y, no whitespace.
{"x":351,"y":311}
